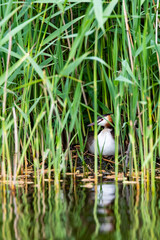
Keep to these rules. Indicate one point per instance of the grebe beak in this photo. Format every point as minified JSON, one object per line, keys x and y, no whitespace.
{"x":91,"y":124}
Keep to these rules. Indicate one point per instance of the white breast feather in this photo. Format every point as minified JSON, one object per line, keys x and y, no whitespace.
{"x":106,"y":143}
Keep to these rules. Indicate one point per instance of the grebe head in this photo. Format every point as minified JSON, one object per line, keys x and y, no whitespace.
{"x":104,"y":121}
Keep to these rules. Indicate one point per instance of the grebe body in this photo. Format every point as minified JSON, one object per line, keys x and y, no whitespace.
{"x":106,"y":141}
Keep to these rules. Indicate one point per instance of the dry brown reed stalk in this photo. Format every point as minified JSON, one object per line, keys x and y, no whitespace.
{"x":71,"y":20}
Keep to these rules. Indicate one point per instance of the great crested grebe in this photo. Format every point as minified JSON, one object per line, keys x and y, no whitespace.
{"x":106,"y":141}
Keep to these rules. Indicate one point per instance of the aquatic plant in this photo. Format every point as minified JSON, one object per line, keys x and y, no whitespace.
{"x":65,"y":62}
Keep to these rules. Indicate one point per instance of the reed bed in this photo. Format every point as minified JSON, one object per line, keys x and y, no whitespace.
{"x":63,"y":63}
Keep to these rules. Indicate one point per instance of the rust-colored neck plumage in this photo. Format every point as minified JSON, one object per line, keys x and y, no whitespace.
{"x":109,"y":122}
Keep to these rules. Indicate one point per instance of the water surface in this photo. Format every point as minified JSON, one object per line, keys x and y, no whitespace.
{"x":107,"y":211}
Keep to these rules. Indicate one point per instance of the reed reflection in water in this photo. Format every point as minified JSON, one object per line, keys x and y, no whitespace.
{"x":107,"y":211}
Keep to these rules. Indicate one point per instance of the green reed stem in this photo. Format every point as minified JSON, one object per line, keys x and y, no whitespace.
{"x":95,"y":109}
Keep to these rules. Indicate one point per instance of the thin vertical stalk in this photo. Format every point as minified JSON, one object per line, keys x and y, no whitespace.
{"x":144,"y":93}
{"x":128,"y":34}
{"x":132,"y":139}
{"x":151,"y":145}
{"x":156,"y":35}
{"x":4,"y":133}
{"x":117,"y":115}
{"x":95,"y":108}
{"x":16,"y":155}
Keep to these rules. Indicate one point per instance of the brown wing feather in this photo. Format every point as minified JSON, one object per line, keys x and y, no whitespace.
{"x":90,"y":139}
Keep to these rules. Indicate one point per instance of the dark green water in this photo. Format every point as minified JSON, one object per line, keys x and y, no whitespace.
{"x":108,"y":212}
